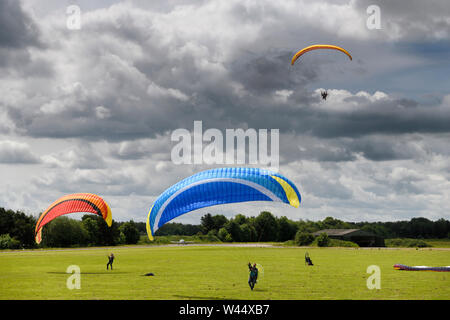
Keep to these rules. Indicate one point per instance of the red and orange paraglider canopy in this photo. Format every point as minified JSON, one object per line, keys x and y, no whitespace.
{"x":78,"y":202}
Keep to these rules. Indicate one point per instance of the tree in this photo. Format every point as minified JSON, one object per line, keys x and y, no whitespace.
{"x":286,"y":229}
{"x":307,"y":226}
{"x":64,"y":232}
{"x":23,"y":230}
{"x":176,"y":228}
{"x":6,"y":242}
{"x":219,"y":221}
{"x":303,"y":238}
{"x":224,"y":235}
{"x":109,"y":236}
{"x":240,"y":219}
{"x":248,"y":233}
{"x":19,"y":226}
{"x":323,"y":240}
{"x":99,"y":232}
{"x":421,"y":227}
{"x":207,"y":223}
{"x":210,"y":222}
{"x":234,"y":230}
{"x":266,"y":227}
{"x":441,"y":228}
{"x":331,"y":223}
{"x":212,"y":235}
{"x":130,"y":232}
{"x":91,"y":227}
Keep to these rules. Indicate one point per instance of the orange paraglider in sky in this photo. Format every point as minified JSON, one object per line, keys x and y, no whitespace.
{"x":318,"y":46}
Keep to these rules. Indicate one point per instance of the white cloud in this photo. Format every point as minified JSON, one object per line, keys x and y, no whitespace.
{"x":14,"y":152}
{"x":102,"y":112}
{"x":80,"y":156}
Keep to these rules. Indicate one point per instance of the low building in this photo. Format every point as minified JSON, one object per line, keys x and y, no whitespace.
{"x":360,"y":237}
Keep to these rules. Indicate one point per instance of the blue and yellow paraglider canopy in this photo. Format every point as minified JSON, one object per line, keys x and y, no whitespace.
{"x":220,"y":186}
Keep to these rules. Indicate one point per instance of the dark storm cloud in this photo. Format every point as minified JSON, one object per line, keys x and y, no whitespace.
{"x":377,"y":147}
{"x":191,"y":85}
{"x":384,"y":147}
{"x":159,"y":80}
{"x":18,"y":34}
{"x":17,"y":30}
{"x":381,"y":117}
{"x":267,"y":73}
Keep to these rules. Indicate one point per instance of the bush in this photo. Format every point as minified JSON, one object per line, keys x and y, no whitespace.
{"x":6,"y":242}
{"x":159,"y":240}
{"x":224,"y":235}
{"x":406,"y":243}
{"x":228,"y":238}
{"x":323,"y":240}
{"x":342,"y":243}
{"x":212,"y":236}
{"x":303,"y":238}
{"x":15,"y":244}
{"x":5,"y":239}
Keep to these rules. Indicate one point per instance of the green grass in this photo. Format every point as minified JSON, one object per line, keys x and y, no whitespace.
{"x":414,"y":243}
{"x":438,"y":243}
{"x":220,"y":272}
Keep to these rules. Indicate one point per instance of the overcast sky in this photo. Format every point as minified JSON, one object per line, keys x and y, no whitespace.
{"x":93,"y":109}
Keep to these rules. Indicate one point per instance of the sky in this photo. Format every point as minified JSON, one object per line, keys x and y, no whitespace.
{"x":93,"y":109}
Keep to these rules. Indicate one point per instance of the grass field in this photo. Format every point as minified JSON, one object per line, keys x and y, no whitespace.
{"x":220,"y":272}
{"x":438,"y":243}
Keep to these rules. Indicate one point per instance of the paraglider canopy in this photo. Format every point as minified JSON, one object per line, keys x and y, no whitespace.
{"x":316,"y":47}
{"x":78,"y":202}
{"x":220,"y":186}
{"x":421,"y":268}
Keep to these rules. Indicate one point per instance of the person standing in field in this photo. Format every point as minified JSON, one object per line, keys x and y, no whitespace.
{"x":110,"y":261}
{"x":253,"y":275}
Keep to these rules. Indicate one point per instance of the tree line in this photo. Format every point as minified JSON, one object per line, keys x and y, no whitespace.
{"x":17,"y":229}
{"x":266,"y":227}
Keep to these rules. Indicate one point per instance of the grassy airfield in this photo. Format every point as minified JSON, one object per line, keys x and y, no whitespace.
{"x":220,"y":272}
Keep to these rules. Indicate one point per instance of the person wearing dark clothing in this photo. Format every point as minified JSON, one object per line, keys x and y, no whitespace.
{"x":308,"y":260}
{"x":110,"y":261}
{"x":253,"y":275}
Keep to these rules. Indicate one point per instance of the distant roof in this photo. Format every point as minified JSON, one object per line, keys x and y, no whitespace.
{"x":336,"y":232}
